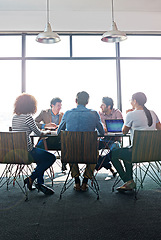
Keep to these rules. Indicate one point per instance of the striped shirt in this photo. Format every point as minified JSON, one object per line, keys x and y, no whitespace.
{"x":25,"y":123}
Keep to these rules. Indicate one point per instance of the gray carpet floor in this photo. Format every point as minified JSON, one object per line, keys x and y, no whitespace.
{"x":80,"y":215}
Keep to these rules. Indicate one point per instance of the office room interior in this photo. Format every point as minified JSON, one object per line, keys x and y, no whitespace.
{"x":80,"y":60}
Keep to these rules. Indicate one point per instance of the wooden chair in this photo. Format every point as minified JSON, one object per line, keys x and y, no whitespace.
{"x":79,"y":147}
{"x":13,"y":153}
{"x":146,"y":157}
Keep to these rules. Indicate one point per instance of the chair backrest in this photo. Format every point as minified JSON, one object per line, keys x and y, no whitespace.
{"x":13,"y":147}
{"x":79,"y":147}
{"x":146,"y":146}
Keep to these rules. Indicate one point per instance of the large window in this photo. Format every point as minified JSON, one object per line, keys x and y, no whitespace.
{"x":141,"y":76}
{"x":35,"y":49}
{"x":78,"y":62}
{"x":10,"y":46}
{"x":91,"y":46}
{"x":140,"y":70}
{"x":10,"y":76}
{"x":48,"y":79}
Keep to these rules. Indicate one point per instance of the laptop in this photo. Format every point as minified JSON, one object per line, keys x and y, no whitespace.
{"x":114,"y":126}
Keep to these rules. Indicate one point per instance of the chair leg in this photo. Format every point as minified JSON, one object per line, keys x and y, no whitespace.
{"x":11,"y":175}
{"x":94,"y":184}
{"x":67,"y":184}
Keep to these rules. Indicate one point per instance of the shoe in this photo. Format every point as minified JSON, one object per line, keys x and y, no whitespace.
{"x":46,"y":190}
{"x":113,"y":172}
{"x":29,"y":183}
{"x":84,"y":187}
{"x":128,"y":186}
{"x":77,"y":187}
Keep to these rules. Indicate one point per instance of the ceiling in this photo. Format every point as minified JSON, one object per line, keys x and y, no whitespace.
{"x":84,"y":15}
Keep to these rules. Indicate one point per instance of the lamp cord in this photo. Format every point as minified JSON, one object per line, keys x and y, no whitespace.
{"x":112,"y":12}
{"x":47,"y":11}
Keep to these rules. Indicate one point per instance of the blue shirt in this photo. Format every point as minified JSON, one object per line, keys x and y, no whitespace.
{"x":81,"y":119}
{"x":55,"y":118}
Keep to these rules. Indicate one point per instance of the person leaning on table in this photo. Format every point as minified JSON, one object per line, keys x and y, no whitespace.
{"x":137,"y":118}
{"x":50,"y":119}
{"x":81,"y":119}
{"x":108,"y":112}
{"x":24,"y":107}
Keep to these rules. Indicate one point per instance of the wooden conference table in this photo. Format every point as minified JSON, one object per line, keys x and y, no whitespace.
{"x":53,"y":134}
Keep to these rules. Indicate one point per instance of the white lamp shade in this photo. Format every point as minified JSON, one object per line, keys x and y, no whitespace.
{"x":114,"y":35}
{"x":48,"y":36}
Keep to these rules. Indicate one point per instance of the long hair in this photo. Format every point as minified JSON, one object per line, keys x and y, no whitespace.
{"x":25,"y":104}
{"x":141,"y":99}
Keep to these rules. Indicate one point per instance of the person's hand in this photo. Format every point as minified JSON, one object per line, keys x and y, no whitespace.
{"x":50,"y":126}
{"x":130,"y":110}
{"x":44,"y":133}
{"x":105,"y":129}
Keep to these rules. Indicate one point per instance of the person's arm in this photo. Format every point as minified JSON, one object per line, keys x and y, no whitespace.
{"x":43,"y":121}
{"x":130,"y":110}
{"x":125,"y":129}
{"x":60,"y":117}
{"x":128,"y":123}
{"x":39,"y":119}
{"x":99,"y":125}
{"x":158,"y":126}
{"x":62,"y":125}
{"x":32,"y":125}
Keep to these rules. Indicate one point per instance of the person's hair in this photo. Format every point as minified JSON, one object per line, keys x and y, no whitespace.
{"x":108,"y":101}
{"x":25,"y":104}
{"x":55,"y":100}
{"x":82,"y":98}
{"x":141,"y":99}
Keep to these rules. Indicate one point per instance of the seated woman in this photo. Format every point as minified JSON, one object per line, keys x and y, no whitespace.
{"x":24,"y":106}
{"x":137,"y":118}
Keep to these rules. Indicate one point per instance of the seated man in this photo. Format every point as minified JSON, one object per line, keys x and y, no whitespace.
{"x":81,"y":119}
{"x":108,"y":112}
{"x":50,"y":119}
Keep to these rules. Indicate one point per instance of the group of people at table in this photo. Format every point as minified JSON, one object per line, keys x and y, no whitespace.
{"x":81,"y":119}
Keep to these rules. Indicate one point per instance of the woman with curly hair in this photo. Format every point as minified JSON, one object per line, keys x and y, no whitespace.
{"x":24,"y":107}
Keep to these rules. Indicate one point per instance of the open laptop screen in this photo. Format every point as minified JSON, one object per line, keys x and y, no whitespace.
{"x":114,"y":125}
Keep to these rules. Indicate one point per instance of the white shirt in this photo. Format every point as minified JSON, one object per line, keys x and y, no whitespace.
{"x":137,"y":120}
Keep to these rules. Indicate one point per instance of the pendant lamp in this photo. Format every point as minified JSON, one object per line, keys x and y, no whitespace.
{"x":48,"y":36}
{"x":114,"y":35}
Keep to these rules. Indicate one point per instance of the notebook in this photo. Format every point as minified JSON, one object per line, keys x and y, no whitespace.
{"x":114,"y":125}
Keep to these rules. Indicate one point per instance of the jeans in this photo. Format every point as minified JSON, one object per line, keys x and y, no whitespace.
{"x":125,"y":154}
{"x":44,"y":160}
{"x":104,"y":161}
{"x":107,"y":142}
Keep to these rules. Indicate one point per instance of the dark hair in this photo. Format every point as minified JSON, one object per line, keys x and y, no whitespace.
{"x":108,"y":101}
{"x":141,"y":99}
{"x":82,"y":98}
{"x":25,"y":104}
{"x":55,"y":100}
